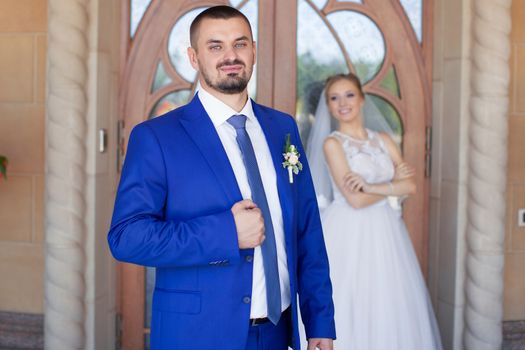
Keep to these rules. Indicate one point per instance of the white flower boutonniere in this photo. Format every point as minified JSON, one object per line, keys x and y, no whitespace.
{"x":291,"y":159}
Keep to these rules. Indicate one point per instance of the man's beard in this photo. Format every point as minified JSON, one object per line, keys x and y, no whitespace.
{"x":233,"y":84}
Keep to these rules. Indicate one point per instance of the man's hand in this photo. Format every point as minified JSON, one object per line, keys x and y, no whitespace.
{"x":320,"y":343}
{"x":249,"y":222}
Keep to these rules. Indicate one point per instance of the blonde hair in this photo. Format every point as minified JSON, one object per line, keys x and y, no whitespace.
{"x":351,"y":77}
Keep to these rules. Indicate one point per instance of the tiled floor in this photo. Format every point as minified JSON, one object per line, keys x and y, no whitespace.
{"x":514,"y":335}
{"x":26,"y":332}
{"x":21,"y":331}
{"x":513,"y":345}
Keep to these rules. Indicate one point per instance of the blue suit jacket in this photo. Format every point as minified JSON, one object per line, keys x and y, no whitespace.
{"x":173,"y":212}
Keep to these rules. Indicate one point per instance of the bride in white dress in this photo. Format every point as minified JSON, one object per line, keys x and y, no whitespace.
{"x":381,"y":300}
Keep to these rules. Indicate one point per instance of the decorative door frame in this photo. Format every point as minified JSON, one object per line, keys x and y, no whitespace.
{"x":277,"y":57}
{"x":413,"y":66}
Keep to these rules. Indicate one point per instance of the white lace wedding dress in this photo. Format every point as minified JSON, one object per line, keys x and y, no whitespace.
{"x":381,"y":300}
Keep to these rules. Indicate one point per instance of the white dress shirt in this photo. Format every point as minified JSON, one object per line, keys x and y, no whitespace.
{"x":219,"y":113}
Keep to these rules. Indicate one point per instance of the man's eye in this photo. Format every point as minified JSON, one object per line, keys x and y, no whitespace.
{"x":215,"y":47}
{"x":240,"y":45}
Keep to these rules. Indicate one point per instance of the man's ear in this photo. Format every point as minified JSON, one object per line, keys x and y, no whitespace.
{"x":254,"y":52}
{"x":192,"y":55}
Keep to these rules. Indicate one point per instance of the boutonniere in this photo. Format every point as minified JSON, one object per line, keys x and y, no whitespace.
{"x":291,"y":159}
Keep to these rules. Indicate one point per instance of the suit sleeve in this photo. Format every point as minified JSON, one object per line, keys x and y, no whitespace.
{"x":139,"y":232}
{"x":314,"y":286}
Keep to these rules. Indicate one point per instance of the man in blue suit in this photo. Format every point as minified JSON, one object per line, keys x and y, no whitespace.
{"x":205,"y":199}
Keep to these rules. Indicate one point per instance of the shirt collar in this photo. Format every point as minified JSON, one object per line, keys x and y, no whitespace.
{"x":219,"y":111}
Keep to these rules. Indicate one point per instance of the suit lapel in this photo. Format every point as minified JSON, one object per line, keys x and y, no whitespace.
{"x":201,"y":130}
{"x":276,"y":139}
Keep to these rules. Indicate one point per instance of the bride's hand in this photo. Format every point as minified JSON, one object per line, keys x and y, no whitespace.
{"x":404,"y":171}
{"x":354,"y":183}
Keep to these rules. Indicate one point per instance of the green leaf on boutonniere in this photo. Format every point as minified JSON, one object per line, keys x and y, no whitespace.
{"x":3,"y":166}
{"x":287,"y":143}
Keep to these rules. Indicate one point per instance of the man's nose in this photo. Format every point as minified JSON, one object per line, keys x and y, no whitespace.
{"x":230,"y":54}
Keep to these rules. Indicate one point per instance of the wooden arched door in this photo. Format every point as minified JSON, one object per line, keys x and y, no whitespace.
{"x":300,"y":42}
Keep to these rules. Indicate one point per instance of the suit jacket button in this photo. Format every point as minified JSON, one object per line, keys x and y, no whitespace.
{"x":249,"y":258}
{"x":246,"y":300}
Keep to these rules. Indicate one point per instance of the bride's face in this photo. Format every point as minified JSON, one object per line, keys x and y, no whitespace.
{"x":345,"y":101}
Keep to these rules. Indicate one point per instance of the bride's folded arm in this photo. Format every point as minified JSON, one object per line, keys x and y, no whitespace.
{"x":338,"y":167}
{"x":403,"y":183}
{"x":395,"y":188}
{"x":361,"y":200}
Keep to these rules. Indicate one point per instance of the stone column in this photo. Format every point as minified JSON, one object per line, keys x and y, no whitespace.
{"x":65,"y":174}
{"x":491,"y":25}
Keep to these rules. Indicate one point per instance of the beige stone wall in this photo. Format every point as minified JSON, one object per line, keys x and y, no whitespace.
{"x":23,"y":25}
{"x":448,"y":188}
{"x":514,"y":303}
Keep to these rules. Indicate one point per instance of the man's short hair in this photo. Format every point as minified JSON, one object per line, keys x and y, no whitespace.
{"x":215,"y":12}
